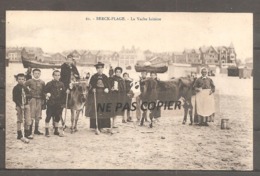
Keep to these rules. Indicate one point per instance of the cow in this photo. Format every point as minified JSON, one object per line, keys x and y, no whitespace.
{"x":78,"y":96}
{"x":173,"y":90}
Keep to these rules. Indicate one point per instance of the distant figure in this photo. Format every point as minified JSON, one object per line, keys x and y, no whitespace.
{"x":28,"y":74}
{"x":205,"y":105}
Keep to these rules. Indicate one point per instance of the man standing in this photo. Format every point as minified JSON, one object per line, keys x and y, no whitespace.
{"x":68,"y":71}
{"x":205,"y":103}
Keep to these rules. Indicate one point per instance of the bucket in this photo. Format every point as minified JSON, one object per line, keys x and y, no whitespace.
{"x":224,"y":124}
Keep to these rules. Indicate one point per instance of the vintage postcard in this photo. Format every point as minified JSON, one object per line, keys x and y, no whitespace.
{"x":129,"y":90}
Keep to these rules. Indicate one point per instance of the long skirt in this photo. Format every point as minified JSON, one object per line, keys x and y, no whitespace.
{"x":204,"y":107}
{"x":103,"y":116}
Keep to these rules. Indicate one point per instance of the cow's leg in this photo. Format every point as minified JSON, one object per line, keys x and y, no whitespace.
{"x":151,"y":118}
{"x":76,"y":120}
{"x":72,"y":121}
{"x":142,"y":120}
{"x":185,"y":107}
{"x":191,"y":114}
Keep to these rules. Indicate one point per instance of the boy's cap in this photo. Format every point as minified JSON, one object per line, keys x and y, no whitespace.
{"x":36,"y":69}
{"x":19,"y":75}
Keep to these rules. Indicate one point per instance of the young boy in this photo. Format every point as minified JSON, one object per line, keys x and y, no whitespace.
{"x":55,"y":91}
{"x":21,"y":97}
{"x":36,"y":87}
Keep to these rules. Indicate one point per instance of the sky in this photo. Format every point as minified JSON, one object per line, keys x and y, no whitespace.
{"x":59,"y":31}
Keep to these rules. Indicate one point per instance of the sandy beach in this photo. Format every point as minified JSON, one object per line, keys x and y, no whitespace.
{"x":169,"y":145}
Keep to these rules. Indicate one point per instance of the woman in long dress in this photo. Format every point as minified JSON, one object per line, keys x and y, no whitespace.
{"x":100,"y":85}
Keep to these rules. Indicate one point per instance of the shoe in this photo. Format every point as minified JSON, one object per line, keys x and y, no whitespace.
{"x":36,"y":131}
{"x":19,"y":134}
{"x":115,"y":126}
{"x":123,"y":121}
{"x":129,"y":120}
{"x":30,"y":130}
{"x":27,"y":134}
{"x":56,"y":132}
{"x":47,"y":134}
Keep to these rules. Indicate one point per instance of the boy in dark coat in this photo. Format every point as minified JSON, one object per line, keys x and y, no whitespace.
{"x":54,"y":91}
{"x":21,"y":97}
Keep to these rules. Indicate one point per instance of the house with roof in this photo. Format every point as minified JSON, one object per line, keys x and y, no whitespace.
{"x":209,"y":55}
{"x":148,"y":54}
{"x":13,"y":54}
{"x":88,"y":58}
{"x":127,"y":57}
{"x":192,"y":56}
{"x":75,"y":55}
{"x":178,"y":57}
{"x":32,"y":53}
{"x":58,"y":58}
{"x":227,"y":55}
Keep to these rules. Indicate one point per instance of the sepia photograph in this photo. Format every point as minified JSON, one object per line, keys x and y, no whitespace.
{"x":129,"y":90}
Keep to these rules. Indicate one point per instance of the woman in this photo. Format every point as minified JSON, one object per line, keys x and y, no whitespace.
{"x":119,"y":94}
{"x":99,"y":84}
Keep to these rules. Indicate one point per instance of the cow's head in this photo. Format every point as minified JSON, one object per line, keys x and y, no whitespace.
{"x":186,"y":86}
{"x":79,"y":93}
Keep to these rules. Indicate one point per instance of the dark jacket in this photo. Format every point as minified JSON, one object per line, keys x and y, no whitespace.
{"x":17,"y":95}
{"x":94,"y":79}
{"x":57,"y":91}
{"x":65,"y":74}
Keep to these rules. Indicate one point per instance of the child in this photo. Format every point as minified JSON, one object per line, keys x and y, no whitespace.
{"x":21,"y":98}
{"x":130,"y":94}
{"x":54,"y":91}
{"x":36,"y":87}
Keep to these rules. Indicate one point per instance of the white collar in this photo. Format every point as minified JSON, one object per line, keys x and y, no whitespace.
{"x":36,"y":79}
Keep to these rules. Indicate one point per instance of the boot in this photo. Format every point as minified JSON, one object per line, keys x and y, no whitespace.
{"x":47,"y":134}
{"x":36,"y":130}
{"x":19,"y":134}
{"x":27,"y":134}
{"x":129,"y":119}
{"x":30,"y":130}
{"x":56,"y":132}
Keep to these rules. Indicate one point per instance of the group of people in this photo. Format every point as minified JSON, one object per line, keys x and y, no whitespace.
{"x":31,"y":95}
{"x":115,"y":89}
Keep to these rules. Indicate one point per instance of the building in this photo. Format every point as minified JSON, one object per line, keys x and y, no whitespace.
{"x":227,"y":56}
{"x":148,"y":54}
{"x":178,"y":57}
{"x":192,"y":56}
{"x":75,"y":55}
{"x":108,"y":58}
{"x":57,"y":58}
{"x":14,"y":54}
{"x":128,"y":57}
{"x":88,"y":58}
{"x":209,"y":55}
{"x":32,"y":53}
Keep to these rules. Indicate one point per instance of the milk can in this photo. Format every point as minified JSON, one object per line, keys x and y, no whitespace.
{"x":224,"y":124}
